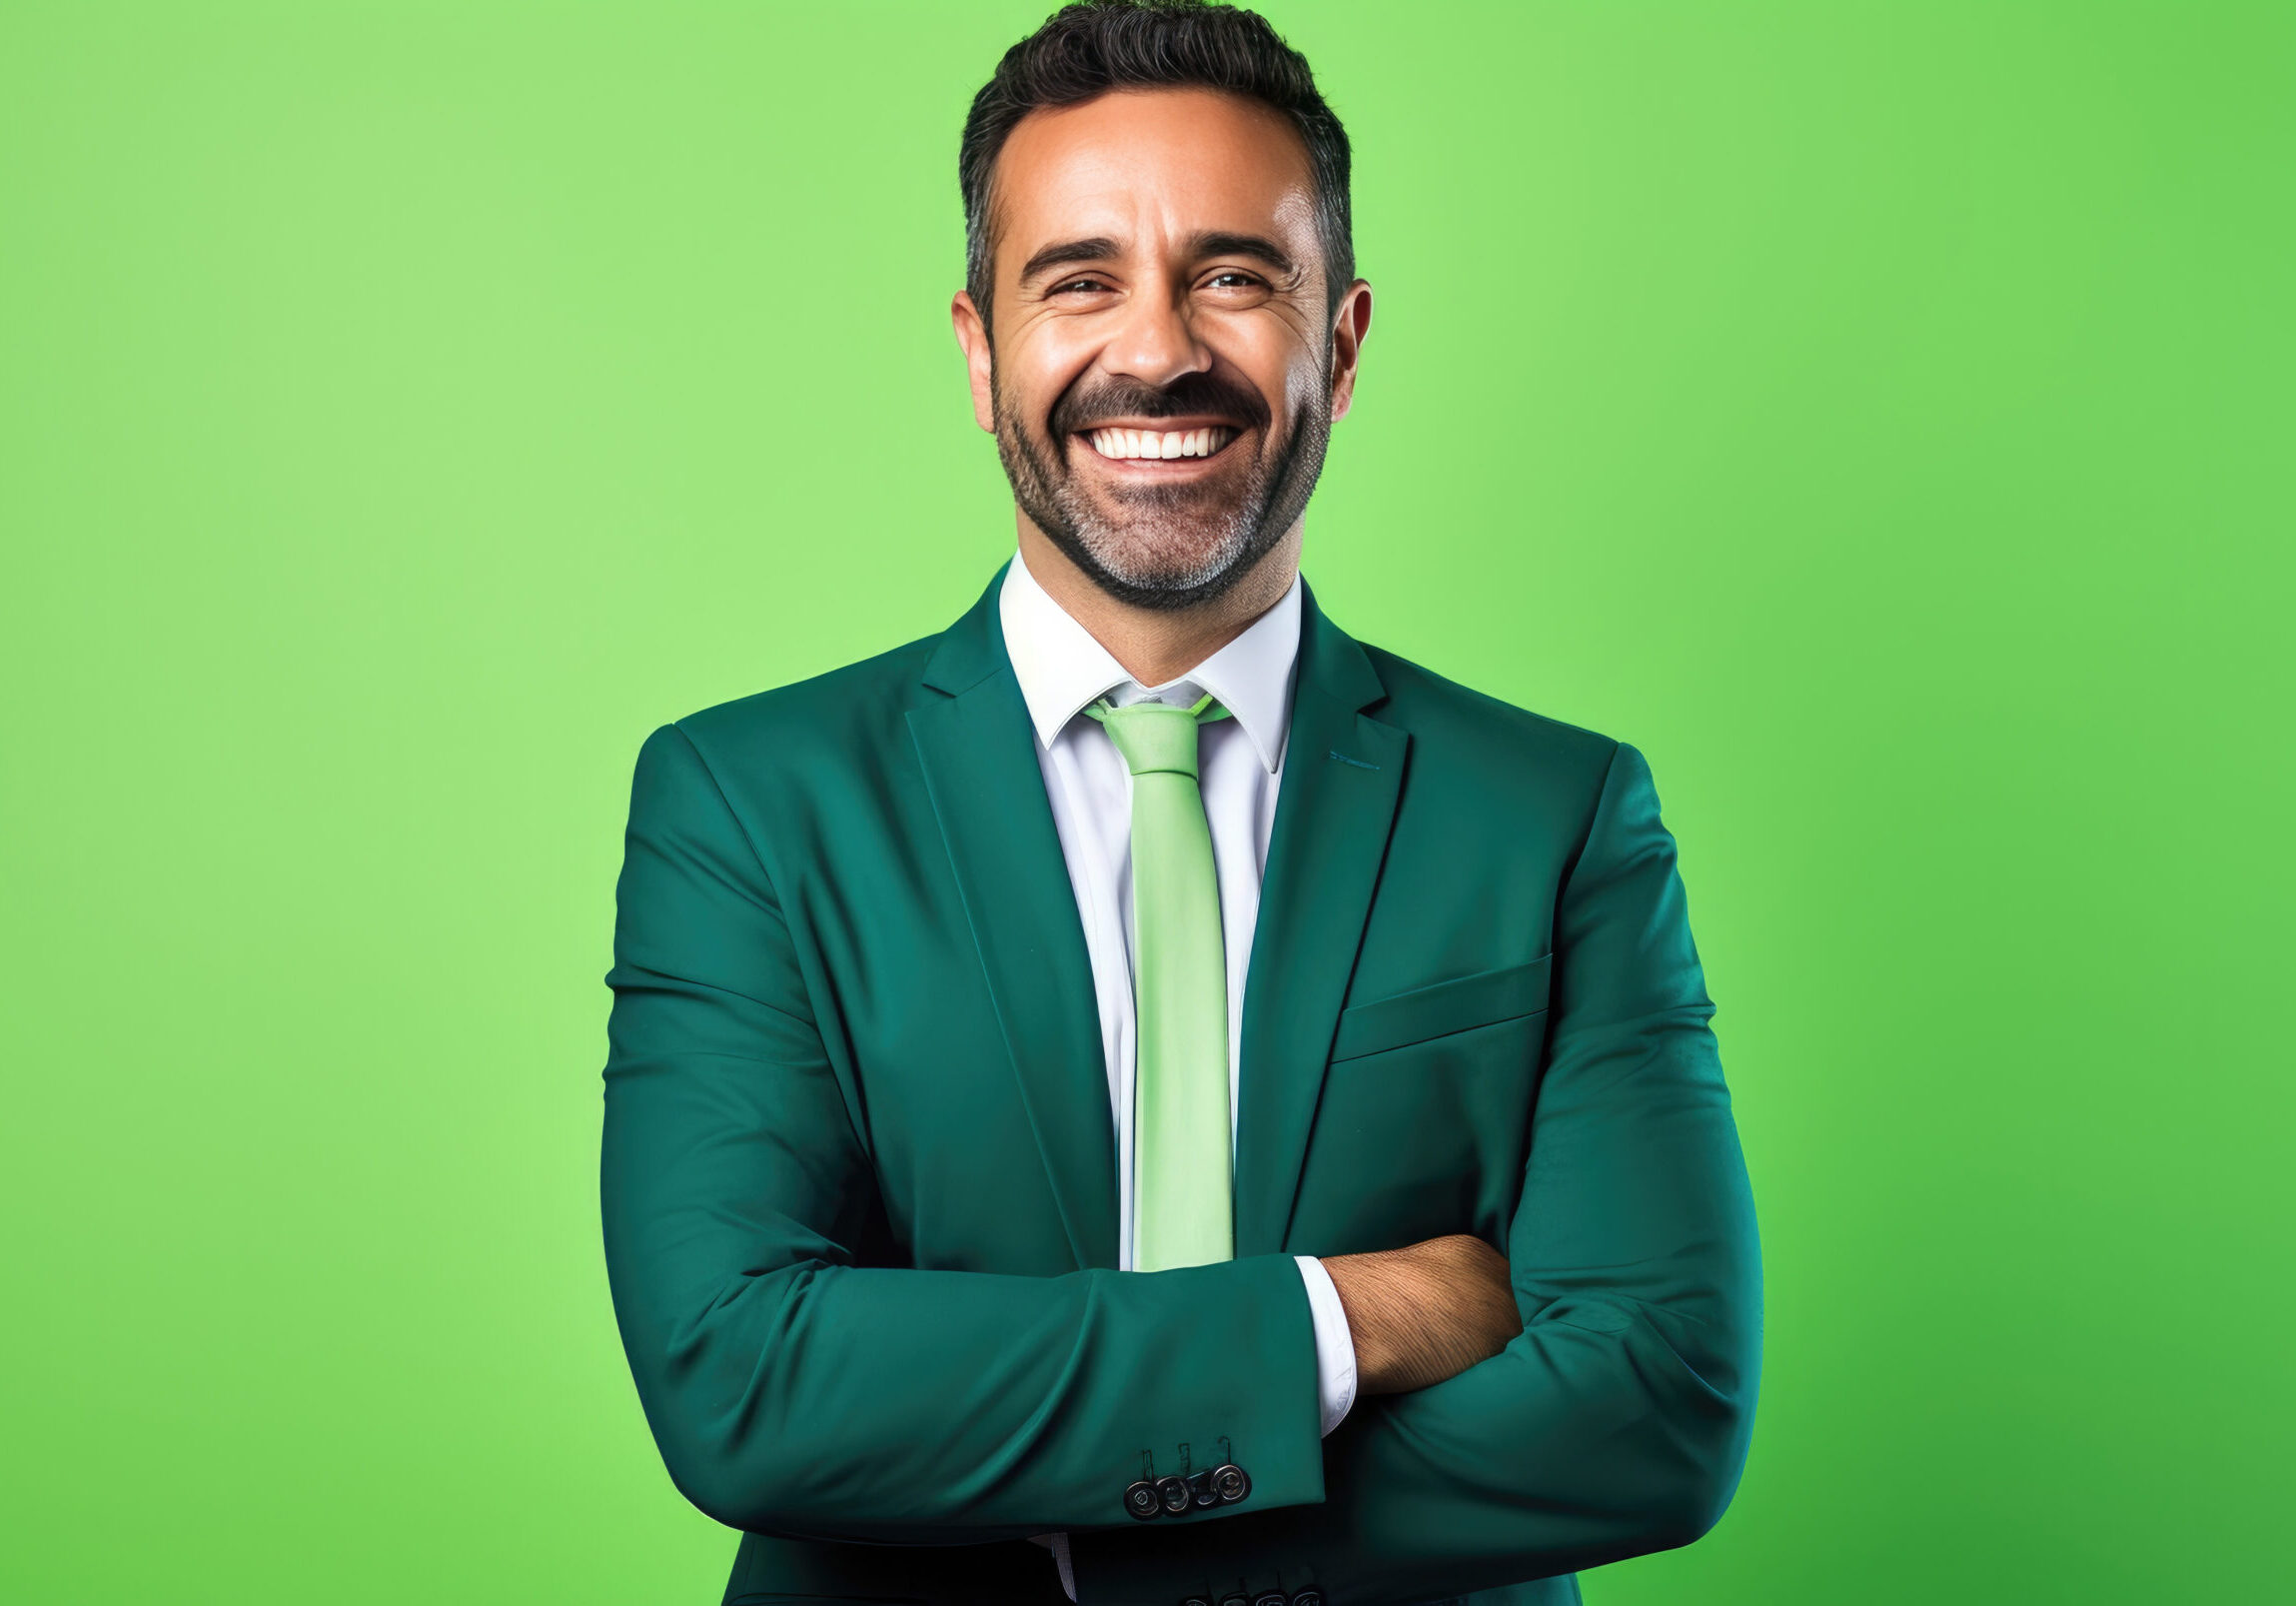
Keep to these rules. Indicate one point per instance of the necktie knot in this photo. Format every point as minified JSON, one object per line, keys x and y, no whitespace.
{"x":1156,"y":738}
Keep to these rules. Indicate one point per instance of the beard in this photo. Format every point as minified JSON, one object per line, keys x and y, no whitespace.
{"x":1167,"y":547}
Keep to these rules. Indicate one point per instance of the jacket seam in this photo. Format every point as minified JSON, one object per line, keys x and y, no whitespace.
{"x":1587,"y":833}
{"x":755,"y":855}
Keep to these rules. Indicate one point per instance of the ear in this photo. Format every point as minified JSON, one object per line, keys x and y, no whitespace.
{"x":972,"y":337}
{"x":1354,"y":322}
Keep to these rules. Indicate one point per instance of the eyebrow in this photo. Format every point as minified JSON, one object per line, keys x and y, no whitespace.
{"x":1098,"y":249}
{"x":1213,"y":244}
{"x":1242,"y":245}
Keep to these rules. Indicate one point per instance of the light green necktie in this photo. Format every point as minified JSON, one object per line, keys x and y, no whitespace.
{"x":1182,"y":1213}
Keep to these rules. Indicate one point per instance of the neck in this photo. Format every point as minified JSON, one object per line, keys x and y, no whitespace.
{"x":1159,"y":645}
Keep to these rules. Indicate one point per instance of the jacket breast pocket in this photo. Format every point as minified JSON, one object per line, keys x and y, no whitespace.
{"x":1460,"y":1005}
{"x":1426,"y":1114}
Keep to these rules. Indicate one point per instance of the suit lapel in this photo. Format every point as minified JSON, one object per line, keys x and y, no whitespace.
{"x":981,"y":771}
{"x":1343,"y":773}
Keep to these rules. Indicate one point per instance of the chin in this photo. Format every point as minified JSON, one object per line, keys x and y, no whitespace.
{"x":1163,"y":558}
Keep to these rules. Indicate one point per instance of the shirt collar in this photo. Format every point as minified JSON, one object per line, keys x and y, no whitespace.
{"x":1062,"y":668}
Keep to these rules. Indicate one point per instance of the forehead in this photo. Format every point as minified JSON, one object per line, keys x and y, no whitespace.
{"x":1181,"y":160}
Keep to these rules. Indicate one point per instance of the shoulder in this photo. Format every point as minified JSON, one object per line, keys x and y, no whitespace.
{"x":857,"y":700}
{"x":841,"y":722}
{"x":1480,"y":763}
{"x":1454,"y":723}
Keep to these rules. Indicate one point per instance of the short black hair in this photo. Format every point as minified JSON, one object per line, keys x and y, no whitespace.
{"x":1086,"y":50}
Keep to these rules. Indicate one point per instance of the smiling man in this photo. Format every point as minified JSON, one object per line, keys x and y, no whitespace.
{"x":1141,"y":1097}
{"x":1172,"y":342}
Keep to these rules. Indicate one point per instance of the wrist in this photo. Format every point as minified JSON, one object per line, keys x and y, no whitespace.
{"x":1369,"y":1299}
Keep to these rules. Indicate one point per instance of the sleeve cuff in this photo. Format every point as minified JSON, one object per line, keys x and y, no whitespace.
{"x":1335,"y":1345}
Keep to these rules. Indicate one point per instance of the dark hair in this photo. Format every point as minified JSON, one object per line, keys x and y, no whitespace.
{"x":1084,"y":50}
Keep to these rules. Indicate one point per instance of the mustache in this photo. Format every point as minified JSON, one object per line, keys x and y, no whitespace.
{"x":1113,"y":396}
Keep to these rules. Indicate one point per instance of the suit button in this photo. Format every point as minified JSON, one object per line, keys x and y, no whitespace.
{"x":1231,"y":1483}
{"x":1174,"y":1493}
{"x":1195,"y":1600}
{"x":1199,"y":1490}
{"x":1142,"y":1500}
{"x":1310,"y":1596}
{"x":1274,"y":1597}
{"x":1234,"y":1600}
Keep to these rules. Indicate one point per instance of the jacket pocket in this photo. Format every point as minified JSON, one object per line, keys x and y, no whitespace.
{"x":1460,"y":1005}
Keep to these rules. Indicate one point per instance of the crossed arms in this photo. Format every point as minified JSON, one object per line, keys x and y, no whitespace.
{"x":794,"y":1391}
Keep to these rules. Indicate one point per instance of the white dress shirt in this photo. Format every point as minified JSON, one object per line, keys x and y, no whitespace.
{"x":1062,"y":668}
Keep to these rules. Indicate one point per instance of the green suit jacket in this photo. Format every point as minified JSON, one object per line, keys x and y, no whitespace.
{"x":859,"y":1178}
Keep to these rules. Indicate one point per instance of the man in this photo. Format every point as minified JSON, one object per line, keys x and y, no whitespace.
{"x":1140,"y":1097}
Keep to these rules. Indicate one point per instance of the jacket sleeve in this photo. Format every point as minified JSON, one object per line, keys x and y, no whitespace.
{"x":1617,"y":1422}
{"x":794,"y":1391}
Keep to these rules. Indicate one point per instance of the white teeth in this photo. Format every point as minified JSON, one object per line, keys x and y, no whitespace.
{"x":1160,"y":443}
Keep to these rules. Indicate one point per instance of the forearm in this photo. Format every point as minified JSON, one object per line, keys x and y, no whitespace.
{"x":794,"y":1389}
{"x":1613,"y":1424}
{"x":894,"y":1405}
{"x":1576,"y":1446}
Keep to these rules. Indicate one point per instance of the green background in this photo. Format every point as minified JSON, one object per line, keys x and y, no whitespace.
{"x":1878,"y":413}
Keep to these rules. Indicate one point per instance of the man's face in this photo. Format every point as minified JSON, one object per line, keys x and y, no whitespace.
{"x":1164,"y":372}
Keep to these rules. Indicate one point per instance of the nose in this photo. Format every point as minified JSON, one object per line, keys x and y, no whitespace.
{"x":1153,"y":342}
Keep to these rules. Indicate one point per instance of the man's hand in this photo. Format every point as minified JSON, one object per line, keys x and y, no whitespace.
{"x":1423,"y":1313}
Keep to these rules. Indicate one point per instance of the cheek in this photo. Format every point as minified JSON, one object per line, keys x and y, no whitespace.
{"x":1280,"y":364}
{"x":1039,"y":365}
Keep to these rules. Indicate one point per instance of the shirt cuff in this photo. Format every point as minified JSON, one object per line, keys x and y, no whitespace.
{"x":1057,"y":1543}
{"x":1335,"y":1345}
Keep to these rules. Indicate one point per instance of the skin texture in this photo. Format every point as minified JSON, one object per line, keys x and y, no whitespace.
{"x":1423,"y":1313}
{"x":1189,"y":292}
